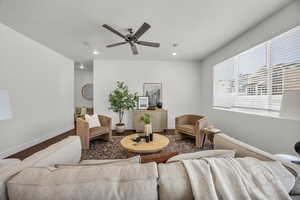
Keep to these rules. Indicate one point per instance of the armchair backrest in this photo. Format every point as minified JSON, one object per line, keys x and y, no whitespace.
{"x":104,"y":120}
{"x":188,"y":119}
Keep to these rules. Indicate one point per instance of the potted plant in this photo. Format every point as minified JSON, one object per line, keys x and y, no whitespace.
{"x":146,"y":118}
{"x":121,"y":100}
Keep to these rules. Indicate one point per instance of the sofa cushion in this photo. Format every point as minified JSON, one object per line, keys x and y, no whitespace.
{"x":287,"y":179}
{"x":6,"y":174}
{"x":137,"y":181}
{"x":129,"y":161}
{"x":203,"y":154}
{"x":294,"y":169}
{"x":222,"y":141}
{"x":65,"y":151}
{"x":174,"y":182}
{"x":8,"y":167}
{"x":98,"y":131}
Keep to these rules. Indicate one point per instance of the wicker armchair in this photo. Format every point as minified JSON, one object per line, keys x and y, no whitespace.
{"x":191,"y":125}
{"x":86,"y":134}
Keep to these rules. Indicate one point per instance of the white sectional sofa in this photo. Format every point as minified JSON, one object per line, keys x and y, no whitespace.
{"x":65,"y":151}
{"x":36,"y":176}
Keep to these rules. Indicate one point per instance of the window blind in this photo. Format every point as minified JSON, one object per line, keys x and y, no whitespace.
{"x":258,"y":78}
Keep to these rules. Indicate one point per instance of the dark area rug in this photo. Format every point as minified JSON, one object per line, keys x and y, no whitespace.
{"x":112,"y":150}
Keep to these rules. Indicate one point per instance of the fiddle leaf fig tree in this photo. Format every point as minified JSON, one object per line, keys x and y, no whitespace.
{"x":121,"y":99}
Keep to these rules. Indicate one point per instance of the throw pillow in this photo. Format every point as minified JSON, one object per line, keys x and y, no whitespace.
{"x":203,"y":154}
{"x":92,"y":120}
{"x":116,"y":162}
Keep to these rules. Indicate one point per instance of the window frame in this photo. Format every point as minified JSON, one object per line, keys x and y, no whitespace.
{"x":248,"y":110}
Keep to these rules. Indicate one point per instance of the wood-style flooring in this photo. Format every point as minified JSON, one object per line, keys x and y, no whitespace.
{"x":28,"y":152}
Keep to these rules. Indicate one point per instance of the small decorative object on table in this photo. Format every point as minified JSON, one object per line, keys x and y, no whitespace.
{"x":159,"y":105}
{"x":146,"y":118}
{"x":143,"y":103}
{"x":137,"y":139}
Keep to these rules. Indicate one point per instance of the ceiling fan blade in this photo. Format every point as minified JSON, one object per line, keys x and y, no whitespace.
{"x":149,"y":44}
{"x":113,"y":30}
{"x":116,"y":44}
{"x":145,"y":27}
{"x":133,"y":48}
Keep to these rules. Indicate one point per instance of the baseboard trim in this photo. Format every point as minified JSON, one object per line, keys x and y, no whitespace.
{"x":21,"y":147}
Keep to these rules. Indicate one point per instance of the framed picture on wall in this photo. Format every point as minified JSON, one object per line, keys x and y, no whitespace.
{"x":143,"y":103}
{"x":154,"y":92}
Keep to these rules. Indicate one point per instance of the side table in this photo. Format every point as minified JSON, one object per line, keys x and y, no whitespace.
{"x":210,"y":133}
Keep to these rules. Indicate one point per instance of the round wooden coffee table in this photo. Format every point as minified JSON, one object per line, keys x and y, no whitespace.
{"x":159,"y":142}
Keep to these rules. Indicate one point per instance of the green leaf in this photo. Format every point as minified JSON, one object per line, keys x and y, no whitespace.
{"x":121,"y":99}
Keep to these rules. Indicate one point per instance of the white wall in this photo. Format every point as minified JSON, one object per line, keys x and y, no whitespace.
{"x":271,"y":134}
{"x":40,"y":85}
{"x":82,"y":77}
{"x":180,"y":80}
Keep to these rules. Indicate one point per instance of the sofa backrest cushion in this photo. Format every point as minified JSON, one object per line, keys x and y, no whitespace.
{"x":111,"y":162}
{"x":222,"y":141}
{"x":93,"y":182}
{"x":174,"y":182}
{"x":65,"y":151}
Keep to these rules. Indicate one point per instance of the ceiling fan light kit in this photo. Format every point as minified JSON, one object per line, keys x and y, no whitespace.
{"x":132,"y":38}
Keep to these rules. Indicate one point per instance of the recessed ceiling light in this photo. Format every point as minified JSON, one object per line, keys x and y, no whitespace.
{"x":174,"y":54}
{"x":95,"y":52}
{"x":81,"y":67}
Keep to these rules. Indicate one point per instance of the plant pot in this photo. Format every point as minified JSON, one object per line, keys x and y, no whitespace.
{"x":147,"y":129}
{"x":120,"y":128}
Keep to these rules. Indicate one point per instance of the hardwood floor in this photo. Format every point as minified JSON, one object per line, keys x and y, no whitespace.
{"x":28,"y":152}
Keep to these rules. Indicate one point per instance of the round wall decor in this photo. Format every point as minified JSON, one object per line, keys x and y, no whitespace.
{"x":87,"y":91}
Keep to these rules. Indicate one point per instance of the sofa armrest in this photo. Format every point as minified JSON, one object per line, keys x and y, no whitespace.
{"x":67,"y":150}
{"x":222,"y":141}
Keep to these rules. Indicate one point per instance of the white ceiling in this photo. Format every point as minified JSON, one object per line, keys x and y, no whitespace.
{"x":199,"y":27}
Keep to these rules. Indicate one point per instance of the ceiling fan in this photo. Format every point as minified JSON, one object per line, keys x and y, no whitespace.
{"x":132,"y":38}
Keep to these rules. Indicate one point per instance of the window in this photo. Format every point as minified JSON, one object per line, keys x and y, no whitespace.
{"x":257,"y":79}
